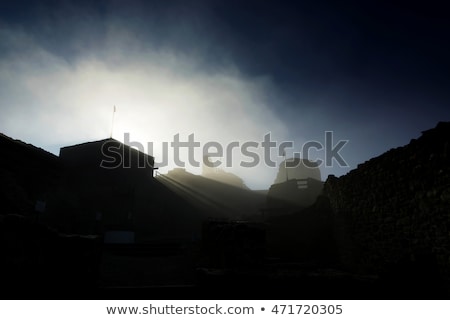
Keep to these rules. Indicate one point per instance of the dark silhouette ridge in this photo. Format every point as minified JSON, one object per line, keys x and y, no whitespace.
{"x":379,"y":232}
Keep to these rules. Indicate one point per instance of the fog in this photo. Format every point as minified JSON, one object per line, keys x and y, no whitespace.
{"x":222,"y":74}
{"x":52,"y":102}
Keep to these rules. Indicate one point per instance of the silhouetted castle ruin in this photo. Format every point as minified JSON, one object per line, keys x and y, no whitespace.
{"x":297,"y":185}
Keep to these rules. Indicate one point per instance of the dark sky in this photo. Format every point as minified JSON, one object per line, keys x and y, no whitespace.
{"x":375,"y":73}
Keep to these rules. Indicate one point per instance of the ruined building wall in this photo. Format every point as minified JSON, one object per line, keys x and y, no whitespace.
{"x":396,"y":207}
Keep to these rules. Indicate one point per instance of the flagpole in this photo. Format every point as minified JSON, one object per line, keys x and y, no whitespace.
{"x":112,"y":123}
{"x":285,"y":166}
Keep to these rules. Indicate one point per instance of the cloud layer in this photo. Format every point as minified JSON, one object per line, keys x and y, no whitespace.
{"x":51,"y":101}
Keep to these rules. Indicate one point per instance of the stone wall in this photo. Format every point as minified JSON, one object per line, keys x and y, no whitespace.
{"x":394,"y":210}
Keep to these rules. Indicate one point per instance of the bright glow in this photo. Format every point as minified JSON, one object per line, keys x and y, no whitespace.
{"x":158,"y":94}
